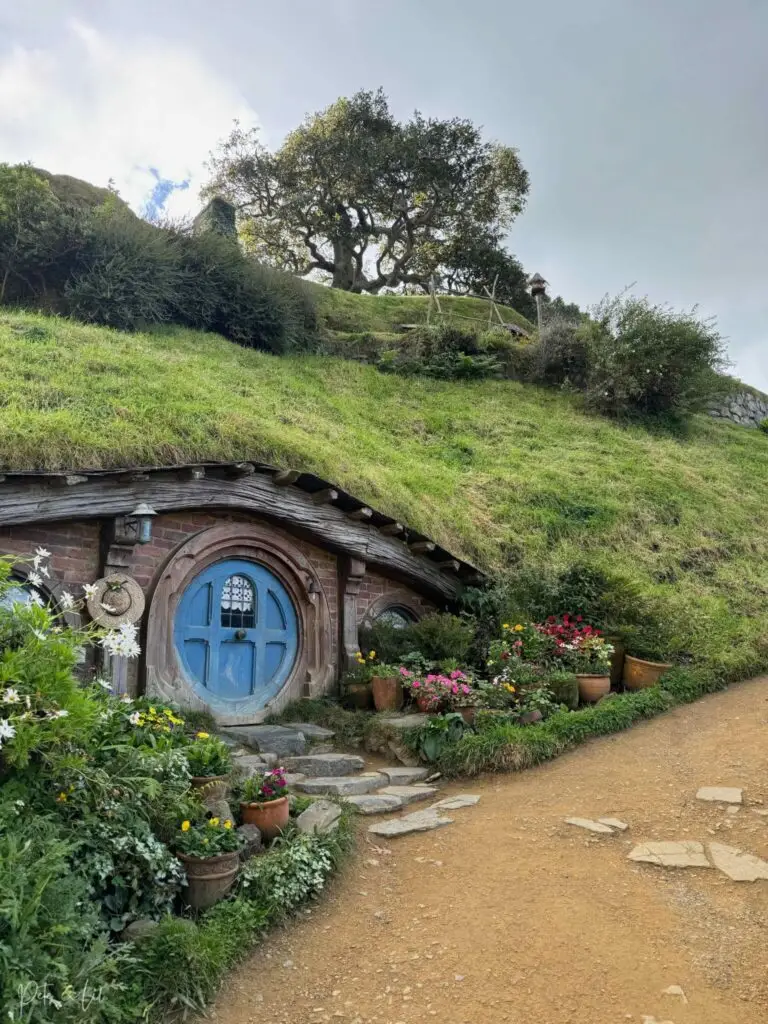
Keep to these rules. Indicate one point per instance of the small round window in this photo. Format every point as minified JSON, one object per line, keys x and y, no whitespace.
{"x":21,"y":593}
{"x":396,"y":616}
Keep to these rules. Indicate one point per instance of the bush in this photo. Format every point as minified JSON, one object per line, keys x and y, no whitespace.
{"x":445,"y":352}
{"x":650,"y":360}
{"x":561,"y":356}
{"x":442,"y":638}
{"x":763,"y":425}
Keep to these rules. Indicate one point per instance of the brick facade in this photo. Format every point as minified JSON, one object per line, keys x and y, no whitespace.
{"x":74,"y":548}
{"x":375,"y":586}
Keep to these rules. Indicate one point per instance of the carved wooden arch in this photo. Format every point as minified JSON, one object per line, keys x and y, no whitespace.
{"x":53,"y":588}
{"x":313,"y":671}
{"x":399,"y":598}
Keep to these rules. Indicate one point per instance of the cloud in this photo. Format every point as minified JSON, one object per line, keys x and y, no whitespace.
{"x":143,"y":113}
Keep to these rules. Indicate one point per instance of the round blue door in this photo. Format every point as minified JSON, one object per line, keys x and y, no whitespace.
{"x":237,"y":634}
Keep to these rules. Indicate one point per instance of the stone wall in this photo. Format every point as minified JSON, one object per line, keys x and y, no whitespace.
{"x":744,"y":407}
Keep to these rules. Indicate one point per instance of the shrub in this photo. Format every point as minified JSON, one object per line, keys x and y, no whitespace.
{"x":445,"y":352}
{"x":649,"y":359}
{"x":561,"y":356}
{"x":442,"y":638}
{"x":763,"y":425}
{"x":564,"y":687}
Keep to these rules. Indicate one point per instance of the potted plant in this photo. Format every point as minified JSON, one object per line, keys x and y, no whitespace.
{"x":387,"y":687}
{"x":209,"y":764}
{"x":436,"y":691}
{"x":640,"y":673}
{"x":590,"y":660}
{"x":263,"y":803}
{"x":210,"y":853}
{"x":648,"y":644}
{"x":357,"y":682}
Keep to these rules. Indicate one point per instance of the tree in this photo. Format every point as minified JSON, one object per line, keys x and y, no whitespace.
{"x":366,"y":199}
{"x":27,"y":205}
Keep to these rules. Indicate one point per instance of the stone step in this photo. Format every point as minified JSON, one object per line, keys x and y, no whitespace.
{"x":350,"y":785}
{"x":408,"y":794}
{"x":418,"y":821}
{"x":374,"y":803}
{"x":314,"y":733}
{"x":402,"y":776}
{"x":324,"y":766}
{"x":279,"y":739}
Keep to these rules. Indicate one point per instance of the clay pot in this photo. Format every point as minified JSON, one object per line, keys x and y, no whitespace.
{"x":530,"y":717}
{"x":424,"y":705}
{"x":468,"y":714}
{"x":593,"y":688}
{"x":209,"y":879}
{"x":387,"y":693}
{"x":639,"y":674}
{"x":360,"y":696}
{"x":270,"y":817}
{"x":215,"y":786}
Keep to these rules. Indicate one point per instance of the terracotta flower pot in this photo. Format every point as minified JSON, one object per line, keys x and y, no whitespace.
{"x":215,"y":786}
{"x":639,"y":674}
{"x":387,"y":693}
{"x":209,"y":879}
{"x":593,"y":688}
{"x":360,"y":696}
{"x":468,"y":714}
{"x":270,"y":817}
{"x":424,"y":704}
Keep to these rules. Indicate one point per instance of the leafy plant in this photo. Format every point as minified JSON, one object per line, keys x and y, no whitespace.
{"x":209,"y":756}
{"x":763,"y":425}
{"x":264,"y":786}
{"x":439,"y":733}
{"x":561,"y":356}
{"x":441,"y":637}
{"x":207,"y":838}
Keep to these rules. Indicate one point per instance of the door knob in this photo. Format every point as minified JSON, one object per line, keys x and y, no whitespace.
{"x":240,"y":634}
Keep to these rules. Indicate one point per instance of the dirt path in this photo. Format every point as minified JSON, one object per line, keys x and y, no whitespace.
{"x":511,"y":915}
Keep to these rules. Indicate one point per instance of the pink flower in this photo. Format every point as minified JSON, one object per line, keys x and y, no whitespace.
{"x":465,"y":688}
{"x":415,"y":684}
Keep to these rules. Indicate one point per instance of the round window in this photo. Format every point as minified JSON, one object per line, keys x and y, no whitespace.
{"x":396,"y":616}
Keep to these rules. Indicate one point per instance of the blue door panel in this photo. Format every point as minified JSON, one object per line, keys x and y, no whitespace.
{"x":237,"y":635}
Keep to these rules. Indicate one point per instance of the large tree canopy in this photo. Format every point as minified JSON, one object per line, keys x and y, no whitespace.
{"x":371,"y":201}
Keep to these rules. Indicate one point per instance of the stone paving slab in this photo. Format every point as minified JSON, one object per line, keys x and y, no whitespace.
{"x":615,"y":823}
{"x":589,"y":825}
{"x":352,"y":785}
{"x":409,"y":794}
{"x":453,"y":803}
{"x":294,"y":778}
{"x":402,"y":776}
{"x":324,"y":766}
{"x":249,"y":764}
{"x":374,"y":803}
{"x":720,"y":794}
{"x":685,"y":854}
{"x":323,"y":816}
{"x":278,"y":739}
{"x":313,"y":732}
{"x":418,"y":821}
{"x":741,"y":867}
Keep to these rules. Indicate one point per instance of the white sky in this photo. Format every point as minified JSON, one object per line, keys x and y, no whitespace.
{"x":642,"y":122}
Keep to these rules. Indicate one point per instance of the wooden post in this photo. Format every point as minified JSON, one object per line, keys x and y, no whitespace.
{"x":353,"y":571}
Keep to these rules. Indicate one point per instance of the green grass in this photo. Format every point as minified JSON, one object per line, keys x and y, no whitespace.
{"x":496,"y":471}
{"x":382,"y":314}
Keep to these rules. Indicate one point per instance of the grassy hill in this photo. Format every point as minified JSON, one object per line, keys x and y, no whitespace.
{"x":496,"y":471}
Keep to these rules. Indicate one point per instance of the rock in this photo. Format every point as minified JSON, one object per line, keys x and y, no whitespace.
{"x":374,"y":803}
{"x":352,"y":785}
{"x":313,"y":732}
{"x":453,"y":803}
{"x":269,"y":758}
{"x":732,"y":809}
{"x":720,"y":794}
{"x":323,"y":816}
{"x":402,"y":776}
{"x":685,"y":854}
{"x":249,"y":764}
{"x":404,"y":723}
{"x":615,"y":823}
{"x":219,"y":808}
{"x":409,"y":794}
{"x":251,"y":836}
{"x":418,"y":821}
{"x":591,"y":826}
{"x":293,"y":778}
{"x":138,"y":930}
{"x":324,"y":766}
{"x":645,"y":1019}
{"x":402,"y":753}
{"x":280,"y":739}
{"x":675,"y":990}
{"x":741,"y":867}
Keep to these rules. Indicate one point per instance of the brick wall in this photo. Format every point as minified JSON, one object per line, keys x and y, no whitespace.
{"x":375,"y":586}
{"x":74,"y":548}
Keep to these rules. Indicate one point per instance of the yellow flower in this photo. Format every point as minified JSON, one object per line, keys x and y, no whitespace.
{"x":185,"y":826}
{"x":372,"y":654}
{"x":227,"y":823}
{"x":202,"y":735}
{"x":61,"y":797}
{"x":511,"y":689}
{"x":519,"y":628}
{"x":213,"y":822}
{"x":505,"y":626}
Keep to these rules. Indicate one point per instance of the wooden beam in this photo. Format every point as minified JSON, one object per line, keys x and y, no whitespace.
{"x":391,"y":529}
{"x":243,"y":469}
{"x":73,"y":479}
{"x":286,"y":477}
{"x":26,"y":501}
{"x":422,"y":547}
{"x":452,"y":565}
{"x":361,"y":514}
{"x":196,"y":473}
{"x":325,"y":497}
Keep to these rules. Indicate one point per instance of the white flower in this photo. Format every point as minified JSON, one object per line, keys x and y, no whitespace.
{"x":35,"y":579}
{"x":11,"y":696}
{"x":36,"y":600}
{"x":105,"y":683}
{"x":7,"y":731}
{"x":42,"y":553}
{"x":45,"y":571}
{"x":66,"y":600}
{"x":134,"y":718}
{"x":121,"y":643}
{"x":61,"y":713}
{"x":89,"y":589}
{"x":39,"y":634}
{"x":125,"y":699}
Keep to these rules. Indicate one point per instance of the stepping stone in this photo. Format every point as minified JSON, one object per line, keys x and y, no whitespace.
{"x":402,"y":776}
{"x":617,"y":823}
{"x":453,"y":803}
{"x":324,"y":766}
{"x":720,"y":794}
{"x":591,"y":826}
{"x":323,"y":816}
{"x":418,"y":821}
{"x":374,"y":803}
{"x":313,"y":732}
{"x":352,"y":785}
{"x":686,"y":854}
{"x":409,"y":794}
{"x":278,"y":739}
{"x":250,"y":764}
{"x":741,"y":867}
{"x":294,"y":778}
